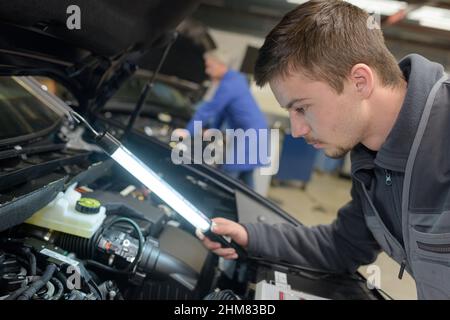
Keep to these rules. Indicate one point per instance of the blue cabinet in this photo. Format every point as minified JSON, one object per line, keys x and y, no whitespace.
{"x":297,"y":160}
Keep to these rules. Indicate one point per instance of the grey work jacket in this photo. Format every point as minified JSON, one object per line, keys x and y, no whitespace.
{"x":425,"y":203}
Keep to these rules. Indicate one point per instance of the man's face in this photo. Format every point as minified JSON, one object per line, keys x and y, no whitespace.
{"x":214,"y":68}
{"x":327,"y":120}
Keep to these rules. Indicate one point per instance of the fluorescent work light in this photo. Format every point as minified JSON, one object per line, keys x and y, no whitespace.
{"x":157,"y":185}
{"x":151,"y":180}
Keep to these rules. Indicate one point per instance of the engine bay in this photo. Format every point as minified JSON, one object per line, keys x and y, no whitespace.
{"x":75,"y":225}
{"x":102,"y":235}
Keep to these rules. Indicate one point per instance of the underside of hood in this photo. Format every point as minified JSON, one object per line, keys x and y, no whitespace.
{"x":91,"y":61}
{"x":185,"y":59}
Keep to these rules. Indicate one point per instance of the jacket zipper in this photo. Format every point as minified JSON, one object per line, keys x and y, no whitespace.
{"x":388,"y":181}
{"x":388,"y":178}
{"x":435,"y":248}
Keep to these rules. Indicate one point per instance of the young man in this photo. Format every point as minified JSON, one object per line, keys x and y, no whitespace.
{"x":345,"y":92}
{"x":232,"y":105}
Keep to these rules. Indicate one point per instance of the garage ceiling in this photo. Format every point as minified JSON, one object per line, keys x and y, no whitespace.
{"x":426,"y":22}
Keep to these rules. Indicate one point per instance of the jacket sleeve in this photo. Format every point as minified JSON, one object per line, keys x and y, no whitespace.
{"x":341,"y":246}
{"x":211,"y":109}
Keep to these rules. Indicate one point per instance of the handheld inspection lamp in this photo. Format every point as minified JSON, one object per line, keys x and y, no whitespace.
{"x":127,"y":160}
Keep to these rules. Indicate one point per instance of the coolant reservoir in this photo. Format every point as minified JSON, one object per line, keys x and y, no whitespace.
{"x":70,"y":213}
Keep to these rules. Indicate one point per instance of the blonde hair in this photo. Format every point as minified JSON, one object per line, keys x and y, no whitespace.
{"x":222,"y":55}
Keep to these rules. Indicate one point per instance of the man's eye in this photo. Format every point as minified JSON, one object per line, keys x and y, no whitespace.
{"x":301,"y":110}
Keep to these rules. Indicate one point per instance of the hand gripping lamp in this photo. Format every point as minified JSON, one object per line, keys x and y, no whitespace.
{"x":151,"y":180}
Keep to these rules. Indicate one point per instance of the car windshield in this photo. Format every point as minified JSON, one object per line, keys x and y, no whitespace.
{"x":21,"y":113}
{"x":161,"y":94}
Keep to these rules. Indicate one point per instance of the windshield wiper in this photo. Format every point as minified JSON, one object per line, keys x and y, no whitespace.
{"x":19,"y":151}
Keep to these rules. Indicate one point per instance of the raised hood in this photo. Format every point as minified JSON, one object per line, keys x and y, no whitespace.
{"x":91,"y":61}
{"x":185,"y":59}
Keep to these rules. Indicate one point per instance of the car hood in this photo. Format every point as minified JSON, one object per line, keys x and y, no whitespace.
{"x":185,"y":59}
{"x":91,"y":61}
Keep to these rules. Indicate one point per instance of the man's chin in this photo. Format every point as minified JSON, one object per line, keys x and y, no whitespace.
{"x":335,"y":153}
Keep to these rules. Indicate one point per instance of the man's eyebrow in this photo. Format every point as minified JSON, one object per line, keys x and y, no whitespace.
{"x":291,"y":103}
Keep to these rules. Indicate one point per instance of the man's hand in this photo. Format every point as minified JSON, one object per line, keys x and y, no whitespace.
{"x":226,"y":228}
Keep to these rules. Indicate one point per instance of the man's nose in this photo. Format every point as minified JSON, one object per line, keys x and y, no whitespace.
{"x":299,"y":128}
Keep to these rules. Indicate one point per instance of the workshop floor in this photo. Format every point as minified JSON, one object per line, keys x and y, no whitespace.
{"x":318,"y":204}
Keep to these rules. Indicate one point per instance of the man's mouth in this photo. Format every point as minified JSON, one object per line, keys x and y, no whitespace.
{"x":312,"y":142}
{"x":315,"y":143}
{"x":318,"y":145}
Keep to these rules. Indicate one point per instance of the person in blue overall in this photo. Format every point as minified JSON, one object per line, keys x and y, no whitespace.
{"x":232,"y":106}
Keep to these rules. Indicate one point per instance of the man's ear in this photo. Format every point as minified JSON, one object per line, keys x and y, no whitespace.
{"x":362,"y":78}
